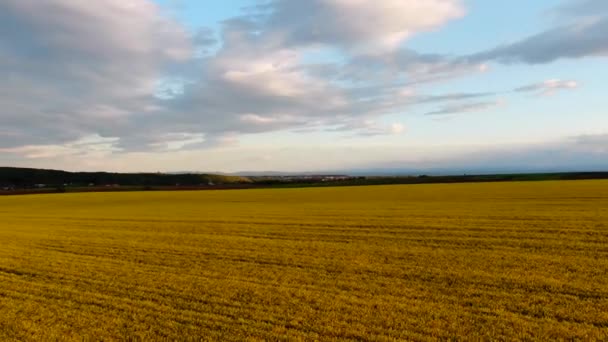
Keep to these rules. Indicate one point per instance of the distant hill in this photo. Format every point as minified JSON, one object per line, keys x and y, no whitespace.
{"x":25,"y":177}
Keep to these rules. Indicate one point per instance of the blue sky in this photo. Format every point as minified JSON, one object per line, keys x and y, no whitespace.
{"x":321,"y":85}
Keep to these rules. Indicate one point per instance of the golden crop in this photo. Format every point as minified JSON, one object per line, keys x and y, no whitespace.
{"x":495,"y":261}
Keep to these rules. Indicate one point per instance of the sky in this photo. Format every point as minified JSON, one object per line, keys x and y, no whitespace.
{"x":292,"y":85}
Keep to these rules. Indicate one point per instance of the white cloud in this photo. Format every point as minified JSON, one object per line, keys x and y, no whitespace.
{"x":597,"y":143}
{"x":461,"y":108}
{"x":358,"y":24}
{"x":271,"y":74}
{"x":579,"y":153}
{"x":75,"y":68}
{"x":369,"y":128}
{"x":581,"y":33}
{"x":177,"y":141}
{"x":397,"y":128}
{"x":548,"y":87}
{"x":93,"y":146}
{"x":126,"y":69}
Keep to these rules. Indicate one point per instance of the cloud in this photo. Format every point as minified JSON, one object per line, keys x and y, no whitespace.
{"x":93,"y":146}
{"x":354,"y":24}
{"x":71,"y":69}
{"x":583,"y":8}
{"x":594,"y":142}
{"x":127,"y":71}
{"x":548,"y":87}
{"x":582,"y":35}
{"x":204,"y":37}
{"x":406,"y":67}
{"x":577,"y":40}
{"x":397,"y":128}
{"x":369,"y":128}
{"x":569,"y":154}
{"x":261,"y":80}
{"x":576,"y":153}
{"x":177,"y":141}
{"x":466,"y":108}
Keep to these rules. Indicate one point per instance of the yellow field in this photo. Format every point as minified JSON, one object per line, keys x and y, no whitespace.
{"x":420,"y":262}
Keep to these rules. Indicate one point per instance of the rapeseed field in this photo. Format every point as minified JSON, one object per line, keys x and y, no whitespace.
{"x":491,"y":261}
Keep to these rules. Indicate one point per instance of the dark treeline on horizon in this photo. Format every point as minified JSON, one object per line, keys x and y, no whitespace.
{"x":26,"y":178}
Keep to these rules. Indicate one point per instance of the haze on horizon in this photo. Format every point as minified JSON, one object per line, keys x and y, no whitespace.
{"x":291,"y":85}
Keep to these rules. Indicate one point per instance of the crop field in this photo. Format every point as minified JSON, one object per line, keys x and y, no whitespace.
{"x":487,"y":261}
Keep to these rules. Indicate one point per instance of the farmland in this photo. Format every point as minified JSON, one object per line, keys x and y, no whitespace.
{"x":517,"y":260}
